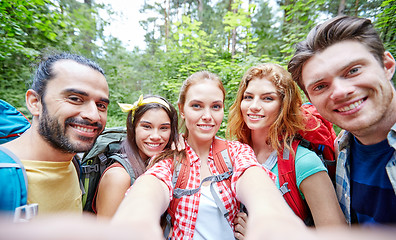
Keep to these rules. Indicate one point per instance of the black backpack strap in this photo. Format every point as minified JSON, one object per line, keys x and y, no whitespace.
{"x":126,"y":164}
{"x":77,"y":164}
{"x":319,"y":151}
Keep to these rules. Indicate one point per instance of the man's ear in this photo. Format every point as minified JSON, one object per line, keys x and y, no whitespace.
{"x":33,"y":102}
{"x":389,"y":65}
{"x":180,"y":106}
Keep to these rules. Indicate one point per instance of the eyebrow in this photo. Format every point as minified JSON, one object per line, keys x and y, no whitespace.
{"x":313,"y":83}
{"x":353,"y":62}
{"x":195,"y":100}
{"x":266,"y":93}
{"x":340,"y":69}
{"x":147,"y":122}
{"x":83,"y":93}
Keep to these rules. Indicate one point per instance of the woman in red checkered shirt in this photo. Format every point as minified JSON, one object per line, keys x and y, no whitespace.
{"x":198,"y":216}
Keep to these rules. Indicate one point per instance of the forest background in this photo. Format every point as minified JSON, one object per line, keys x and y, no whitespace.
{"x":181,"y":36}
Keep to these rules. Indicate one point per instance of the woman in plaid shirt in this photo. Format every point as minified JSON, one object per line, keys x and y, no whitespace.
{"x":201,"y":106}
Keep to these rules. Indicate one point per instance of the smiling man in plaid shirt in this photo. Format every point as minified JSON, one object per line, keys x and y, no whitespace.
{"x":346,"y":73}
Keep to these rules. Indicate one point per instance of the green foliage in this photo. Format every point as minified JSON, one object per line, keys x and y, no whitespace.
{"x":386,"y":24}
{"x":30,"y":29}
{"x":300,"y":16}
{"x":264,"y":28}
{"x":182,"y":37}
{"x":239,"y":19}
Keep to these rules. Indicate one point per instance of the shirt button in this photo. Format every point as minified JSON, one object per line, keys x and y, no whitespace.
{"x":221,"y":191}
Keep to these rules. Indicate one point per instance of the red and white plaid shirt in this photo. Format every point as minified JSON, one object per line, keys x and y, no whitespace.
{"x":242,"y":157}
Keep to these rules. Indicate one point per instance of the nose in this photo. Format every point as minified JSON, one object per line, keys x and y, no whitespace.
{"x":91,"y":112}
{"x":254,"y":106}
{"x":207,"y":116}
{"x":340,"y":89}
{"x":155,"y":135}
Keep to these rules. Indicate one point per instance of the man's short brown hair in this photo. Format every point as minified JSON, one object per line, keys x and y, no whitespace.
{"x":334,"y":31}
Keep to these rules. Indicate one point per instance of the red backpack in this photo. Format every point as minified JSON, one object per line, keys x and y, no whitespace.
{"x":320,"y":140}
{"x":182,"y":171}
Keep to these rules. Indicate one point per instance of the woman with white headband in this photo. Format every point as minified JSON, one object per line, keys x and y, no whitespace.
{"x":151,"y":127}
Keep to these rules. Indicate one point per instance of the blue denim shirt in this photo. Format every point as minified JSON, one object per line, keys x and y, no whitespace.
{"x":343,"y":186}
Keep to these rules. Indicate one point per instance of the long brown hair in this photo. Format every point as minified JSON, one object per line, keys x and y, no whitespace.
{"x":129,"y":146}
{"x":290,"y":119}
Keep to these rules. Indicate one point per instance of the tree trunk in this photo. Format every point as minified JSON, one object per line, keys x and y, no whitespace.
{"x":200,"y":10}
{"x":229,"y":37}
{"x":341,"y":8}
{"x":248,"y":30}
{"x":166,"y":23}
{"x":88,"y":38}
{"x":233,"y":38}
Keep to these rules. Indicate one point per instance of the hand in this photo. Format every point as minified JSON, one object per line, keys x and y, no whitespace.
{"x":180,"y":145}
{"x":336,"y":151}
{"x":240,"y":225}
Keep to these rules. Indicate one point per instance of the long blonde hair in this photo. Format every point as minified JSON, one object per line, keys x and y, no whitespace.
{"x":290,"y":119}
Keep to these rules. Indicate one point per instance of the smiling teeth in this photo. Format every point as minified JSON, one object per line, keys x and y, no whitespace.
{"x":84,"y":129}
{"x":255,"y":116}
{"x":205,"y":126}
{"x":350,"y":107}
{"x":153,"y":144}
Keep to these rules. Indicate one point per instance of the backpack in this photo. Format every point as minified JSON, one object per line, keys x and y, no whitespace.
{"x":104,"y":152}
{"x":321,"y":141}
{"x":13,"y":188}
{"x":12,"y":122}
{"x":181,"y":172}
{"x":13,"y":179}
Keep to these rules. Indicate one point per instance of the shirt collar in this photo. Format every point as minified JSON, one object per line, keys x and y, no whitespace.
{"x":193,"y":156}
{"x":392,"y":136}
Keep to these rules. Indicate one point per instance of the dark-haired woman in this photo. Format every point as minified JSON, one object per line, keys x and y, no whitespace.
{"x":151,"y":127}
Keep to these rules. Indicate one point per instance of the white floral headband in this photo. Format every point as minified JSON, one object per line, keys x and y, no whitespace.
{"x":126,"y":107}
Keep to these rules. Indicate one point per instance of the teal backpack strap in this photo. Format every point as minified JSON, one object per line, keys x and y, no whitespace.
{"x":17,"y":164}
{"x":23,"y":212}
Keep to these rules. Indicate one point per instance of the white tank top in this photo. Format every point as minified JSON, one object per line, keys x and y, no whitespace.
{"x":211,"y":224}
